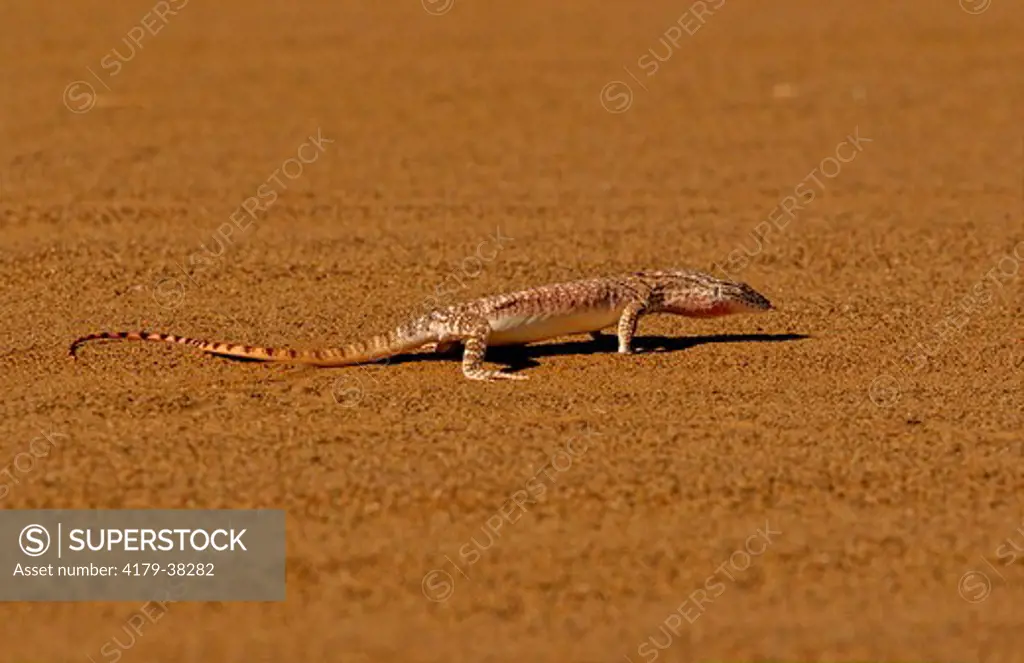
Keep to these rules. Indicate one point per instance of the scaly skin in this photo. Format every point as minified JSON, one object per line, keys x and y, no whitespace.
{"x":518,"y":318}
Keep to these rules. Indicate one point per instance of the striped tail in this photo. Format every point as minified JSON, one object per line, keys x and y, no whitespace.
{"x":374,"y":347}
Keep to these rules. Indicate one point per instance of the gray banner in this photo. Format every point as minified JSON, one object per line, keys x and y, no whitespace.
{"x":142,"y":555}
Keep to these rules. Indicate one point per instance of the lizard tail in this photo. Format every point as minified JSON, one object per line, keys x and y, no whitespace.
{"x":374,"y":347}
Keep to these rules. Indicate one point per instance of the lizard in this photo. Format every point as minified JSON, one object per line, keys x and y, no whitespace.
{"x":584,"y":306}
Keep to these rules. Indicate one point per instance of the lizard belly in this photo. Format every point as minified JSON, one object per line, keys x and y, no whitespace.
{"x":516,"y":330}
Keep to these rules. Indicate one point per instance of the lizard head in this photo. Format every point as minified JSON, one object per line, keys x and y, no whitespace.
{"x":700,"y":295}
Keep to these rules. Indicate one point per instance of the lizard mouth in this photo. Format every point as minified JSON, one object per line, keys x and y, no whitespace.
{"x":755,"y":301}
{"x":709,"y":310}
{"x":737,"y":307}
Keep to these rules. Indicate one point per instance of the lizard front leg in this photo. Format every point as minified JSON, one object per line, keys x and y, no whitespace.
{"x":474,"y":339}
{"x":627,"y":325}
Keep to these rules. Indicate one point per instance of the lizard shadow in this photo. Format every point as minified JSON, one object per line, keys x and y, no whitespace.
{"x":517,"y":358}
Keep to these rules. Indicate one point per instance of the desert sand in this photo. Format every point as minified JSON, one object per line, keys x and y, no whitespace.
{"x":838,"y":479}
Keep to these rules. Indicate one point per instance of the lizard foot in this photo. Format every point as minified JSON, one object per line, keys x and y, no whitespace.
{"x":493,"y":376}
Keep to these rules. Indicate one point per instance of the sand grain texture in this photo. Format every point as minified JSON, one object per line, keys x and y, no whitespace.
{"x":889,"y":473}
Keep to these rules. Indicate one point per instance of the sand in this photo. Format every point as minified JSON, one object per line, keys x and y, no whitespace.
{"x":838,"y":479}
